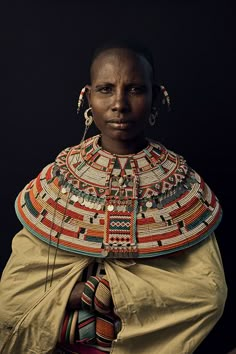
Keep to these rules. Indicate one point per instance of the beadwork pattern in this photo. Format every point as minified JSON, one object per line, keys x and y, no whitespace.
{"x":92,"y":202}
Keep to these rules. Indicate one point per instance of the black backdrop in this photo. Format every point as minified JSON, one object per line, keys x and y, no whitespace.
{"x":45,"y":48}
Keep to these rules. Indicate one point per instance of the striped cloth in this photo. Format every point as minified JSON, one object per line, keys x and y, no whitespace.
{"x":87,"y":298}
{"x":95,"y":325}
{"x":79,"y":349}
{"x":103,"y":300}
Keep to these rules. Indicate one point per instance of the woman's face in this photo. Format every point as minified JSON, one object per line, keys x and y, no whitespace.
{"x":120,"y":94}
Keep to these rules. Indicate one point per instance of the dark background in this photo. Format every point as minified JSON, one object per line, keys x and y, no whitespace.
{"x":45,"y":51}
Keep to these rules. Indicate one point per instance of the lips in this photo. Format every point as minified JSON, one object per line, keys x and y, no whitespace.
{"x":120,"y":124}
{"x":119,"y":120}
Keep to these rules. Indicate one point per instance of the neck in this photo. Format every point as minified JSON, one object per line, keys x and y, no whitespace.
{"x":123,"y":147}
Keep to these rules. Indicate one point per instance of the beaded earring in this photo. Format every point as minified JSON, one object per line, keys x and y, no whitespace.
{"x":81,"y":99}
{"x":165,"y":97}
{"x":87,"y":114}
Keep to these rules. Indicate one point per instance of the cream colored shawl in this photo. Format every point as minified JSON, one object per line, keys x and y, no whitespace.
{"x":167,"y":305}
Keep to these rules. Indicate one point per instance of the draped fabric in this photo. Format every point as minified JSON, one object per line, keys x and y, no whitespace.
{"x":166,"y":304}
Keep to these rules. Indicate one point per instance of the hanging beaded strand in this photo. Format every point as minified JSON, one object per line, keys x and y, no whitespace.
{"x":60,"y":232}
{"x":50,"y":279}
{"x":79,"y":106}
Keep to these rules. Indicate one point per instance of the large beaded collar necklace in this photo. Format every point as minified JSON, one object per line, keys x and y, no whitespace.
{"x":94,"y":203}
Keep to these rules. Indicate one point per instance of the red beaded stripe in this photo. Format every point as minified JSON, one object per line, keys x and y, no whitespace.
{"x":67,"y":203}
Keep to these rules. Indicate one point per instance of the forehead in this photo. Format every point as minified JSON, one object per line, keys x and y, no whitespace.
{"x":120,"y":62}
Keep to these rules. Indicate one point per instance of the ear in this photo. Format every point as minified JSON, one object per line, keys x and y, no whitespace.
{"x":88,"y":93}
{"x":155,"y":95}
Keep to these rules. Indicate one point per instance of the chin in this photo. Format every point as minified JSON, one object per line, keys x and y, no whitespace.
{"x":124,"y":135}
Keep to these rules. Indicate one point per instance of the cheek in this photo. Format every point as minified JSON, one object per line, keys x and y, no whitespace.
{"x":98,"y":108}
{"x":142,"y":109}
{"x":98,"y":112}
{"x":99,"y":123}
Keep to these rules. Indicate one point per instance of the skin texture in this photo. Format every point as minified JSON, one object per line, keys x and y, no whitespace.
{"x":121,"y":95}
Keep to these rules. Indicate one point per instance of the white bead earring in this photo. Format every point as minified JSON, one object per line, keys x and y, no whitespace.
{"x":88,"y":115}
{"x":153,"y":116}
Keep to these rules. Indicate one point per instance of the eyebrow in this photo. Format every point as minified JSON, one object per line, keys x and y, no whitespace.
{"x":104,"y":83}
{"x":128,"y":84}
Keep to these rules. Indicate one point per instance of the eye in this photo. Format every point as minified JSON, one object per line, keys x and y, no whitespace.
{"x":137,"y":90}
{"x":105,"y":89}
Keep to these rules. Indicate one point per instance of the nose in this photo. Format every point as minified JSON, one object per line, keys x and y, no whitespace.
{"x":121,"y":102}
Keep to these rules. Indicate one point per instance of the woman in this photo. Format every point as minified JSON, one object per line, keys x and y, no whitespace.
{"x":117,"y":253}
